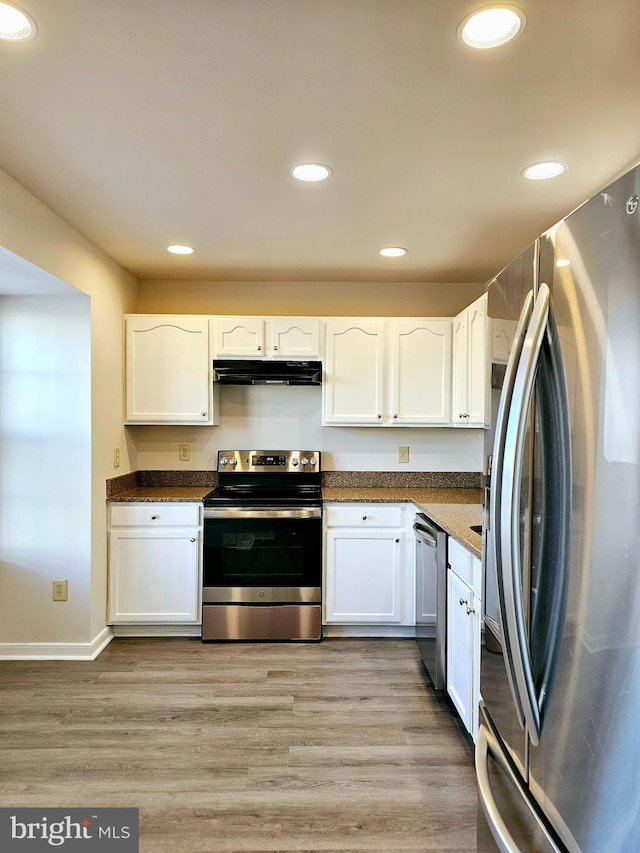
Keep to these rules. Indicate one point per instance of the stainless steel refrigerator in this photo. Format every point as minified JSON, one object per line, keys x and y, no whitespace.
{"x":558,"y":750}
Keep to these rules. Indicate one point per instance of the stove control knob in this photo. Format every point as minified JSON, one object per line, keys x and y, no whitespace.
{"x":295,"y":462}
{"x":224,"y":460}
{"x":233,"y":461}
{"x":304,"y":461}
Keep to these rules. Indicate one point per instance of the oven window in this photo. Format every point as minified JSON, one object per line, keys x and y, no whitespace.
{"x":262,"y":552}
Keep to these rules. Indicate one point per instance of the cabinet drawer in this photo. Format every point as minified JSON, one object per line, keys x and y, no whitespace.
{"x":155,"y":515}
{"x":364,"y":515}
{"x":460,"y":560}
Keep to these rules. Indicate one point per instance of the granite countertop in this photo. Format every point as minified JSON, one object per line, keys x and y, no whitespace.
{"x":454,"y":510}
{"x":161,"y":494}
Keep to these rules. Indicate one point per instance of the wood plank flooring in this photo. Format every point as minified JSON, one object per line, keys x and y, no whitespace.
{"x":336,"y":746}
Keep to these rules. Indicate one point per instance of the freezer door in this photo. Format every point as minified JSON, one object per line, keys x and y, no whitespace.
{"x":508,"y":820}
{"x":585,"y":773}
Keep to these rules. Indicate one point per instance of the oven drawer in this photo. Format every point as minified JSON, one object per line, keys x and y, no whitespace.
{"x":155,"y":515}
{"x":364,"y":515}
{"x":261,"y":622}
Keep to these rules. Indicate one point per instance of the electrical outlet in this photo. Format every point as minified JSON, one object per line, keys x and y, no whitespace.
{"x":116,"y":457}
{"x":185,"y":452}
{"x":403,"y":454}
{"x":60,"y":590}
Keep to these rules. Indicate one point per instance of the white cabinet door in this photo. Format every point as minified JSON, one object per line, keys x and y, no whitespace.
{"x":238,"y":337}
{"x":460,"y":370}
{"x":154,"y":576}
{"x":168,"y":371}
{"x":420,"y":372}
{"x":460,"y":648}
{"x":363,"y":576}
{"x":354,"y":372}
{"x":479,"y":365}
{"x":293,"y":337}
{"x":471,"y":366}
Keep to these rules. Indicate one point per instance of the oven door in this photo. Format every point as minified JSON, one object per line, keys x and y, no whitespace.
{"x":262,"y":556}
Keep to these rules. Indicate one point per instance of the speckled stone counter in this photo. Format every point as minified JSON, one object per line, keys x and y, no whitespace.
{"x":161,"y":486}
{"x":454,"y":510}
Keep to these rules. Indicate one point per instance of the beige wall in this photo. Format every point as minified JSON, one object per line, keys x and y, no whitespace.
{"x":333,"y":298}
{"x":31,"y":230}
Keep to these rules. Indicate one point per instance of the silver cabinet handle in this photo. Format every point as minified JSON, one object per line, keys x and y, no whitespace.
{"x":395,"y":416}
{"x":154,"y":517}
{"x":204,"y":414}
{"x":364,"y":517}
{"x":193,"y":538}
{"x":470,"y":610}
{"x":462,"y":602}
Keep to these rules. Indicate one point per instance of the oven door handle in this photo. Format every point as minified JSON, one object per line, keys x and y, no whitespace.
{"x":260,"y":512}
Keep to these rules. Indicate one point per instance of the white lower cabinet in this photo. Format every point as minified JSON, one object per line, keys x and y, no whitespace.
{"x":464,"y":613}
{"x":154,"y":564}
{"x":367,"y":576}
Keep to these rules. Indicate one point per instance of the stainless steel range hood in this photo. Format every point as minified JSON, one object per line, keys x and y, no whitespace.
{"x":266,"y":372}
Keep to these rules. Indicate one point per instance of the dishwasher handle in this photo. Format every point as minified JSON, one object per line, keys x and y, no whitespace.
{"x":423,"y":531}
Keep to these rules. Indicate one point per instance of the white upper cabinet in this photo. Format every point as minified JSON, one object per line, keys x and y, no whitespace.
{"x":421,"y":372}
{"x":238,"y":337}
{"x":354,"y":372}
{"x":388,"y":373}
{"x":276,"y":337}
{"x":471,"y":366}
{"x":293,"y":337}
{"x":168,"y":370}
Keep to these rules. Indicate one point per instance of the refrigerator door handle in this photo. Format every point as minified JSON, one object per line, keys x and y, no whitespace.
{"x":487,"y":745}
{"x":510,"y":533}
{"x":495,"y":514}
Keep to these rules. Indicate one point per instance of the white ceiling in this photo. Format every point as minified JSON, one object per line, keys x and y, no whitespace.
{"x":149,"y":122}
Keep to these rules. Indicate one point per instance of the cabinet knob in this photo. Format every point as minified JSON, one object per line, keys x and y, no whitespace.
{"x":396,"y":415}
{"x":364,"y":517}
{"x":154,"y":518}
{"x":397,"y":540}
{"x":259,"y":348}
{"x":380,"y":417}
{"x":275,"y":347}
{"x":193,"y":538}
{"x":463,"y":601}
{"x":470,"y":610}
{"x":204,"y":414}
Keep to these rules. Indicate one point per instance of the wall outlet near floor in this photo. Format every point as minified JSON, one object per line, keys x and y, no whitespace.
{"x":403,"y":454}
{"x":60,"y":590}
{"x":116,"y":457}
{"x":185,"y":452}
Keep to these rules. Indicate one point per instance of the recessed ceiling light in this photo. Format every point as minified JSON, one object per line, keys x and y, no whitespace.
{"x":15,"y":24}
{"x":180,"y":250}
{"x":393,"y":252}
{"x":544,"y":171}
{"x":491,"y":27}
{"x":311,"y":172}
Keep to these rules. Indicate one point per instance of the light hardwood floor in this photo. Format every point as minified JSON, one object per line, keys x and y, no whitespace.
{"x":336,"y":746}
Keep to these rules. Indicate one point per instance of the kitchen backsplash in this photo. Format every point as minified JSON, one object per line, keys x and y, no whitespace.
{"x":333,"y":479}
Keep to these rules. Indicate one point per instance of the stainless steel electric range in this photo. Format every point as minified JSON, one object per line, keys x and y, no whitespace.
{"x":262,"y":559}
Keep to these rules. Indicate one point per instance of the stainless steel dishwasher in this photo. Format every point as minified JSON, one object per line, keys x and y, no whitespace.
{"x":431,"y":598}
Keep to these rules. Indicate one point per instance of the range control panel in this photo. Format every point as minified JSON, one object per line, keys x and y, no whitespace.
{"x":269,"y":460}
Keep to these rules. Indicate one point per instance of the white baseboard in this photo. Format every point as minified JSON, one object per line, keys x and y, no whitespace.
{"x":157,"y":630}
{"x":57,"y":651}
{"x":364,"y":631}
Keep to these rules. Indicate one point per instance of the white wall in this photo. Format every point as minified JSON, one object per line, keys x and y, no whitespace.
{"x":34,"y":233}
{"x":272,"y":417}
{"x":45,"y":467}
